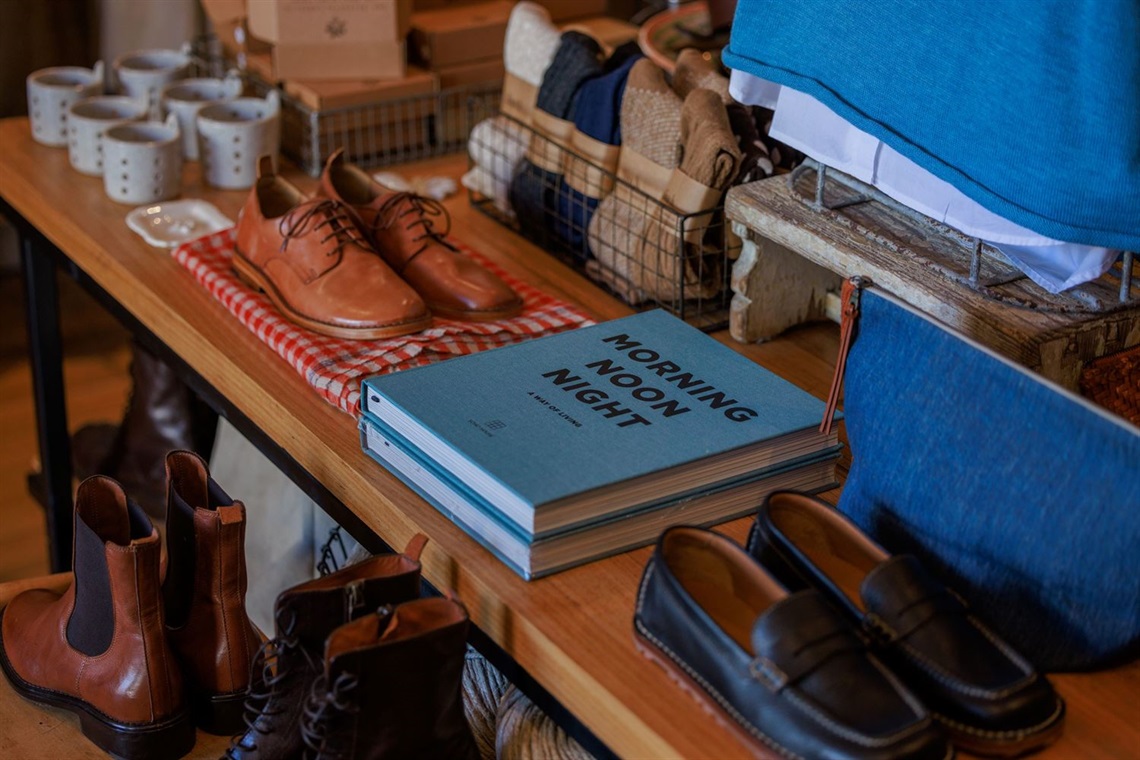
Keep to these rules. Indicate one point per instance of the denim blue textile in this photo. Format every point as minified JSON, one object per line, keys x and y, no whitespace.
{"x":1024,"y":497}
{"x":1030,"y":108}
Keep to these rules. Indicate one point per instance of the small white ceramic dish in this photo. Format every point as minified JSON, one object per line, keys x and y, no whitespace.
{"x":172,"y":223}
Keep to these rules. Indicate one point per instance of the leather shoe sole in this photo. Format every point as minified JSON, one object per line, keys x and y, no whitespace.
{"x":169,"y":738}
{"x":251,"y":275}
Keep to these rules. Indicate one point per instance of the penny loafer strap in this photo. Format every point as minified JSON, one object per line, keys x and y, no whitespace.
{"x":797,"y":637}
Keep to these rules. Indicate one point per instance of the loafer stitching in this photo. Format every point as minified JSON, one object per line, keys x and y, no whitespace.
{"x":1016,"y":733}
{"x":950,"y":681}
{"x":709,"y":689}
{"x":809,"y":709}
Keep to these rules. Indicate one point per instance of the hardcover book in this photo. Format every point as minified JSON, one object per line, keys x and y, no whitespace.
{"x":535,"y":557}
{"x":568,"y":429}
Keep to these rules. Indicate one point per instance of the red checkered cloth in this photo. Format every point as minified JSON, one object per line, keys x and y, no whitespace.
{"x":335,"y":367}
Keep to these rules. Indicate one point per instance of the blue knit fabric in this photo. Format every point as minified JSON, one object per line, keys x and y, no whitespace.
{"x":1030,"y":108}
{"x":597,"y":107}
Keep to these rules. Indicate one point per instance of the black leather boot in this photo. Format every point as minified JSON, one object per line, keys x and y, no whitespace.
{"x":392,"y":687}
{"x":305,"y":616}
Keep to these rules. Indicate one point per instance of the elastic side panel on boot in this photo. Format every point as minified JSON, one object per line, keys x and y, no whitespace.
{"x":92,"y":623}
{"x":216,"y":497}
{"x":178,"y":588}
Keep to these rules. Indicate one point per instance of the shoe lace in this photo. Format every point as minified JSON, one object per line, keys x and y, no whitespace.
{"x":312,"y":215}
{"x":424,"y":212}
{"x":261,"y":701}
{"x":324,"y":704}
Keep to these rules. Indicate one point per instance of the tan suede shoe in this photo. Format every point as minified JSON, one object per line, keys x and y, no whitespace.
{"x":401,"y":227}
{"x":313,"y":263}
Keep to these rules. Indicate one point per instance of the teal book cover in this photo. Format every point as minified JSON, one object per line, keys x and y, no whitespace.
{"x":599,"y":418}
{"x":535,"y":556}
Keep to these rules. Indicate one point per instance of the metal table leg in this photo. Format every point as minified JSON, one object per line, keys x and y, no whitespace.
{"x":45,"y":347}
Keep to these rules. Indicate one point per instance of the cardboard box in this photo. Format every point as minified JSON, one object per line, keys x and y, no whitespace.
{"x":325,"y":95}
{"x":220,"y":11}
{"x":451,"y":36}
{"x":611,"y":32}
{"x":333,"y":39}
{"x":563,"y":10}
{"x":372,"y":60}
{"x":479,"y":72}
{"x":329,"y":21}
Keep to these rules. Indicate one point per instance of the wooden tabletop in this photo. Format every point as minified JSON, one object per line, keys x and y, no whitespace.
{"x":572,"y":631}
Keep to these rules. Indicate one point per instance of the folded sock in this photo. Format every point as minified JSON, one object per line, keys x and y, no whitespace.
{"x":592,"y":159}
{"x":671,"y":249}
{"x":698,"y":71}
{"x":496,"y":147}
{"x":530,"y":43}
{"x":536,"y":182}
{"x":651,"y":130}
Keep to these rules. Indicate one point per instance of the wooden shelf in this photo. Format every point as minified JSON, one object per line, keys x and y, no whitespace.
{"x":573,"y":631}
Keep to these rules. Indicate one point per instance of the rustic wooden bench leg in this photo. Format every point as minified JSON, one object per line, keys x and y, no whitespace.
{"x":774,"y":289}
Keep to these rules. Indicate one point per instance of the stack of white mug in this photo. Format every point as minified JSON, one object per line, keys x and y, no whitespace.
{"x":137,"y":140}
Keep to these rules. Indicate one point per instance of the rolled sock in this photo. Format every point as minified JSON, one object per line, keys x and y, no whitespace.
{"x":534,"y":187}
{"x":597,"y":124}
{"x":651,"y":129}
{"x":674,"y":265}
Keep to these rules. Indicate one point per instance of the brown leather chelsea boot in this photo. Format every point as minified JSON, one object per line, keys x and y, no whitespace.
{"x":204,"y":594}
{"x":392,"y":687}
{"x":100,"y":648}
{"x":401,"y":226}
{"x":305,"y":616}
{"x":310,"y":259}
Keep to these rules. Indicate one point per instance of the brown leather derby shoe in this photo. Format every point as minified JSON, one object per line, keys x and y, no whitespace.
{"x":401,"y":227}
{"x":312,"y":262}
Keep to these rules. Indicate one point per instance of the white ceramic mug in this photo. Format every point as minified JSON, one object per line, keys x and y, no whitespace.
{"x":231,"y":137}
{"x":143,"y":73}
{"x":88,"y":120}
{"x":186,"y":97}
{"x":142,"y":161}
{"x":52,"y":91}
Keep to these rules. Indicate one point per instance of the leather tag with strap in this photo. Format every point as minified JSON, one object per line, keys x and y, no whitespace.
{"x":849,"y":296}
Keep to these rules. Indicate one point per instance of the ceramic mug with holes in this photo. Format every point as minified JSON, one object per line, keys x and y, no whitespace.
{"x":88,"y":120}
{"x":185,"y":98}
{"x":142,"y":161}
{"x":143,"y":73}
{"x":231,"y":137}
{"x":51,"y":92}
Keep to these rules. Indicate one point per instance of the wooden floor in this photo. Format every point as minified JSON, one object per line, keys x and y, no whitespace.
{"x":95,"y":373}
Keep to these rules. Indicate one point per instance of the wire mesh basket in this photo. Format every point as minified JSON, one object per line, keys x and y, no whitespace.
{"x":372,"y":134}
{"x":623,"y":236}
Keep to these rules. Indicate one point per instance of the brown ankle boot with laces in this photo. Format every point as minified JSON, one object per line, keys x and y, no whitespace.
{"x":308,"y":256}
{"x":401,"y":226}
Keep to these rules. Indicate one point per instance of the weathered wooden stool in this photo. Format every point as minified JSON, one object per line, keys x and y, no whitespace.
{"x":803,"y":233}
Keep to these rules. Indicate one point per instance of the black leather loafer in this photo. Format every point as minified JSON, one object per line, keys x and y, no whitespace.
{"x":988,"y":698}
{"x":785,"y":673}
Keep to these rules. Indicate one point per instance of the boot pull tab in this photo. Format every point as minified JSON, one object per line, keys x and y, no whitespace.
{"x":265,"y":166}
{"x":415,"y":547}
{"x":849,"y":295}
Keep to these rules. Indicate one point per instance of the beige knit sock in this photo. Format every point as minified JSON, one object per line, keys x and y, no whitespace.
{"x":651,"y":130}
{"x":696,"y":70}
{"x":671,"y":246}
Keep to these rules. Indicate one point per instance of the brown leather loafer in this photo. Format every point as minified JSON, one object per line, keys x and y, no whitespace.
{"x":310,"y":259}
{"x":401,"y":226}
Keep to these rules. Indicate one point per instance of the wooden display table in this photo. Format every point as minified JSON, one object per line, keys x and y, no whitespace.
{"x":572,"y":632}
{"x":794,"y":257}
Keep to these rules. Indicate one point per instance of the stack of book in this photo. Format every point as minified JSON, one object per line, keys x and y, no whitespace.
{"x":572,"y":447}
